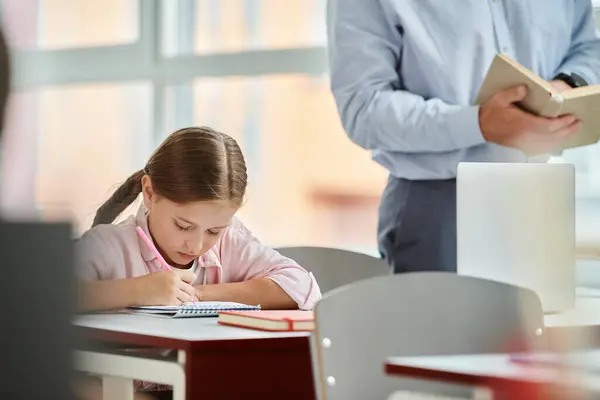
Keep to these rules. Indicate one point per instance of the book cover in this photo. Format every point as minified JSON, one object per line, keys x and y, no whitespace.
{"x":272,"y":320}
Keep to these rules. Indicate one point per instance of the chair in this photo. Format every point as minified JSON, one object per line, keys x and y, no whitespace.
{"x":429,"y":313}
{"x":333,"y":268}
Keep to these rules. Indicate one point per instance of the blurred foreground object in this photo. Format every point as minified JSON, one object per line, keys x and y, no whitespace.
{"x":36,"y":296}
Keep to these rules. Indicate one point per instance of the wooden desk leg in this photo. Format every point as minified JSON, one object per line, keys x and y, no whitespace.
{"x":483,"y":393}
{"x":179,"y":389}
{"x":178,"y":393}
{"x":117,"y":388}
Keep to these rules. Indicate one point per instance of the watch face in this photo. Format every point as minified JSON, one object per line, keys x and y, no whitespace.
{"x":578,"y":81}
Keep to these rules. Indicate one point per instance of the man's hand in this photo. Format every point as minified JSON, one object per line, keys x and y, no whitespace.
{"x":503,"y":123}
{"x":560,"y":86}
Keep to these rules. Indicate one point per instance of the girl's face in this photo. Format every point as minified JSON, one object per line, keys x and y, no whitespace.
{"x":183,"y":232}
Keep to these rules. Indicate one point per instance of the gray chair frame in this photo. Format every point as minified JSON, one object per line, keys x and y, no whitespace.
{"x":333,"y":267}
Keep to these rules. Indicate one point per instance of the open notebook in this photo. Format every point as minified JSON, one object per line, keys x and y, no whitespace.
{"x":190,"y":310}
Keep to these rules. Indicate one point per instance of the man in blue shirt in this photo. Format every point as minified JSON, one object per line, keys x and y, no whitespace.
{"x":405,"y":75}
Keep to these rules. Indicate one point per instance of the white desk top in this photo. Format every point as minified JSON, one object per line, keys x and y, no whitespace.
{"x":487,"y":367}
{"x":585,"y":313}
{"x":189,"y":329}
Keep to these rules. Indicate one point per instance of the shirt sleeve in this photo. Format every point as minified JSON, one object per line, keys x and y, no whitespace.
{"x":584,"y":55}
{"x":364,"y":54}
{"x":249,"y":259}
{"x":92,"y":261}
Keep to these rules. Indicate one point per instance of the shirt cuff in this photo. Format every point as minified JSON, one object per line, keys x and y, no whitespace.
{"x":587,"y":75}
{"x":466,"y":131}
{"x":305,"y":292}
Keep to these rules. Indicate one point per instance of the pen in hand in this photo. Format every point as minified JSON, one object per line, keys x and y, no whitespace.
{"x":149,"y":243}
{"x":153,"y":248}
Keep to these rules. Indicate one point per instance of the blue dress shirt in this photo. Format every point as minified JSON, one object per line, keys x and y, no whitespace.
{"x":405,"y":73}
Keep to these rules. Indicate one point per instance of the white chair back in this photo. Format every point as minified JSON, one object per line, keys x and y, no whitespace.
{"x":429,"y":313}
{"x":333,"y":268}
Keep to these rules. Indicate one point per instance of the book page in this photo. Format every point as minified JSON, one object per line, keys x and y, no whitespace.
{"x":585,"y":108}
{"x":505,"y":73}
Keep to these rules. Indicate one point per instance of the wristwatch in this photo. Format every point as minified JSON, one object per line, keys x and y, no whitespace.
{"x":572,"y":79}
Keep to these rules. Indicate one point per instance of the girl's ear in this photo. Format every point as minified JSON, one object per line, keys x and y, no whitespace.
{"x":148,"y":192}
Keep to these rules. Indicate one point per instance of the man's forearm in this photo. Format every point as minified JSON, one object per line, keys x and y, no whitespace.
{"x":583,"y":57}
{"x":363,"y":57}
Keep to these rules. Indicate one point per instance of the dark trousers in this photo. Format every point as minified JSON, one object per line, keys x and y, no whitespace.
{"x":417,"y":225}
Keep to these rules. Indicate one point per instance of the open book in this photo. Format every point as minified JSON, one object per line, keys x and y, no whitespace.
{"x":543,"y":100}
{"x":195,"y":309}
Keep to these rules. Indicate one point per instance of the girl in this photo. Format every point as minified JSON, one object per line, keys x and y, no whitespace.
{"x":192,"y":186}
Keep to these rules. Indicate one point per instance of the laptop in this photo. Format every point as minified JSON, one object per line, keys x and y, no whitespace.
{"x":516,"y":224}
{"x":37,"y":301}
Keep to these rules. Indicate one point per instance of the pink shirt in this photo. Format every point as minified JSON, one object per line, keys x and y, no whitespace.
{"x":116,"y":251}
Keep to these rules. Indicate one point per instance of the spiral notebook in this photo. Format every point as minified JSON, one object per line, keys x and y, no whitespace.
{"x":191,"y":310}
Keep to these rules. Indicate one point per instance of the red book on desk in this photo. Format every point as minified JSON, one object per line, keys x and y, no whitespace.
{"x":274,"y":321}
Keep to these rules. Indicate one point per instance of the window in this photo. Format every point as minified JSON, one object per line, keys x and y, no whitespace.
{"x":90,"y":138}
{"x":286,"y":151}
{"x":62,"y":24}
{"x":225,"y":26}
{"x":107,"y":94}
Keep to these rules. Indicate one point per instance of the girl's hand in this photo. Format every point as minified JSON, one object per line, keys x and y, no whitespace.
{"x":165,"y":288}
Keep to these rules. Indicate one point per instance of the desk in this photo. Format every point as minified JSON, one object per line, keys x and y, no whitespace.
{"x":208,"y":354}
{"x":212,"y":360}
{"x":497,"y":371}
{"x":494,"y":371}
{"x":579,"y":326}
{"x":585,"y":313}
